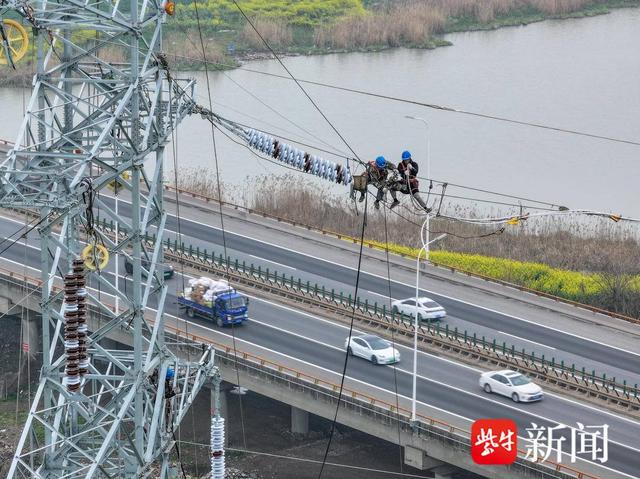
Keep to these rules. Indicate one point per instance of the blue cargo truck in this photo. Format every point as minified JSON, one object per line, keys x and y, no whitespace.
{"x":227,"y":307}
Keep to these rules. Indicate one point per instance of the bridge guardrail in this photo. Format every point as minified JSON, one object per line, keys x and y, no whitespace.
{"x":372,"y":245}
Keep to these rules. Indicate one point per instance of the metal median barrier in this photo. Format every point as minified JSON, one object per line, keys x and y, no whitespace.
{"x":463,"y":343}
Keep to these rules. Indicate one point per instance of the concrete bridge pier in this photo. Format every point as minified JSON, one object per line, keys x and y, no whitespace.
{"x":30,"y":324}
{"x":299,"y":421}
{"x":5,"y":305}
{"x":418,"y":459}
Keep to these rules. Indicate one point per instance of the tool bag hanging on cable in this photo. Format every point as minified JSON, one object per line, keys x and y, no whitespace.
{"x":360,"y":182}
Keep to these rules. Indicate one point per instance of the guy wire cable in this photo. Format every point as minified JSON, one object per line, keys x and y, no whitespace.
{"x":266,"y":105}
{"x":346,"y":355}
{"x":275,"y":55}
{"x":224,"y":241}
{"x":393,"y":337}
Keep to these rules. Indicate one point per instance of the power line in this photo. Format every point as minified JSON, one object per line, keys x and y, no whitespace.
{"x":295,"y":79}
{"x":364,"y":224}
{"x":7,"y":238}
{"x":334,"y":153}
{"x":393,"y":337}
{"x":274,"y":110}
{"x":444,"y":184}
{"x":338,"y":154}
{"x":457,"y":185}
{"x":432,"y":105}
{"x":481,"y":190}
{"x":13,"y":242}
{"x":448,"y":233}
{"x":224,"y":239}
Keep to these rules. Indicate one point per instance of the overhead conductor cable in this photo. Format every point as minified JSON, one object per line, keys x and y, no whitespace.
{"x":280,"y":150}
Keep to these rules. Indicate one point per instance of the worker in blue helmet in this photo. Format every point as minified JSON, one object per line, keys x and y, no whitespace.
{"x":169,"y":392}
{"x":408,"y":181}
{"x":378,"y":172}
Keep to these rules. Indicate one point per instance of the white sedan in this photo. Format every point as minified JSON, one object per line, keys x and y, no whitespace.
{"x":511,"y":384}
{"x":426,"y":308}
{"x":372,"y":348}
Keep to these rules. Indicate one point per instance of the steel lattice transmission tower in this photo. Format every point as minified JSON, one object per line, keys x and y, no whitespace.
{"x":88,"y":122}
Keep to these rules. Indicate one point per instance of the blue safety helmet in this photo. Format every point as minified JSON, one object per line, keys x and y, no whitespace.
{"x":170,"y":373}
{"x":406,"y":155}
{"x":381,"y":162}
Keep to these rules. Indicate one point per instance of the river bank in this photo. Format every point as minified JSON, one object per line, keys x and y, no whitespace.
{"x":384,"y":25}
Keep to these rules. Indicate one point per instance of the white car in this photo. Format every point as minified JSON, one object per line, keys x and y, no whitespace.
{"x":372,"y":348}
{"x":511,"y":384}
{"x":427,"y":309}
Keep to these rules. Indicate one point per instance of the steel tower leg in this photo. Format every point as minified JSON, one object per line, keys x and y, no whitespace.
{"x":89,"y":121}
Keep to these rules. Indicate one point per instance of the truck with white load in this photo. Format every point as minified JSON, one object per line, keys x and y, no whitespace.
{"x":214,"y":300}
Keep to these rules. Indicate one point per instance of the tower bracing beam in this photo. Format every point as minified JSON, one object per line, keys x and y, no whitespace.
{"x":103,"y":107}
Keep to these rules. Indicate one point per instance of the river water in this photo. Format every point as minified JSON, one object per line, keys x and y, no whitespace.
{"x":576,"y":74}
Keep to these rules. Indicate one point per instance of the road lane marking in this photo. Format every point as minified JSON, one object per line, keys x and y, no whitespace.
{"x":527,"y":340}
{"x":399,"y":345}
{"x":393,"y":393}
{"x":338,"y":325}
{"x":314,"y":317}
{"x":273,"y":262}
{"x":439,"y":358}
{"x":385,"y":296}
{"x":635,"y":423}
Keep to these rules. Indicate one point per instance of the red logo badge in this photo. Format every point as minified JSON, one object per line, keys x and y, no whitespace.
{"x":494,"y":441}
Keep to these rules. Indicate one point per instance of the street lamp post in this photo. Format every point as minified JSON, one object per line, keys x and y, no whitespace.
{"x":424,"y":235}
{"x":425,"y":248}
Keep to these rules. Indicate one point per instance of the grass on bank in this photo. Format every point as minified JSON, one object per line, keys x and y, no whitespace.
{"x":315,"y":26}
{"x":572,"y":285}
{"x":324,"y":26}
